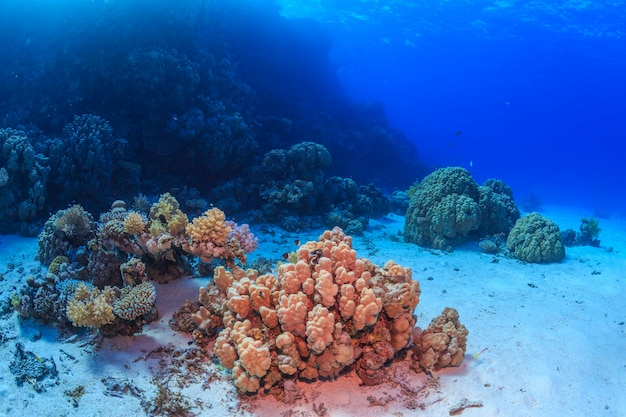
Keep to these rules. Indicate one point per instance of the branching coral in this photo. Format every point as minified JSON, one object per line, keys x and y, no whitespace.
{"x":211,"y":237}
{"x":135,"y":223}
{"x":90,"y":307}
{"x":64,"y":232}
{"x":135,"y":301}
{"x":166,"y":217}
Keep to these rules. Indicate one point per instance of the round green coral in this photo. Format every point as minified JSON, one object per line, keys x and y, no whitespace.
{"x":536,"y":239}
{"x":444,"y":208}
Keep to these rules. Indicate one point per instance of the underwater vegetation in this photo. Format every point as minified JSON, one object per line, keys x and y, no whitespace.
{"x":587,"y":235}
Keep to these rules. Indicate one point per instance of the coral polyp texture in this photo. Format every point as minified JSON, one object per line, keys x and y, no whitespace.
{"x":536,"y":239}
{"x":23,"y":178}
{"x":442,"y":344}
{"x":448,"y":206}
{"x":99,"y":273}
{"x":323,"y":314}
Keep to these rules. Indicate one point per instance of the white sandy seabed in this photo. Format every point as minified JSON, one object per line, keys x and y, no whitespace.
{"x":553,"y":334}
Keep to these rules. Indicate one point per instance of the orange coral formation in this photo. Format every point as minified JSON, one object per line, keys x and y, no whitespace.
{"x":135,"y":223}
{"x":210,"y":227}
{"x":327,"y":311}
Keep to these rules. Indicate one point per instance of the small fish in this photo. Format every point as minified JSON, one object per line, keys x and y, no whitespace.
{"x":286,"y":255}
{"x":457,"y":133}
{"x":297,"y":242}
{"x":476,"y":355}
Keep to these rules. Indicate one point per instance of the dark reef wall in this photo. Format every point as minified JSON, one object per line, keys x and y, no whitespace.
{"x":138,"y":96}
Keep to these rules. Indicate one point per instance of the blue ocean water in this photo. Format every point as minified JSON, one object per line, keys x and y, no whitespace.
{"x":529,"y":92}
{"x":535,"y":88}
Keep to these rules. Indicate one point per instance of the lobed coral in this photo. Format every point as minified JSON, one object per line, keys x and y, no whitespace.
{"x":536,"y":239}
{"x":327,"y":312}
{"x":448,"y":206}
{"x":442,"y":344}
{"x":443,"y":208}
{"x":213,"y":237}
{"x":498,"y":207}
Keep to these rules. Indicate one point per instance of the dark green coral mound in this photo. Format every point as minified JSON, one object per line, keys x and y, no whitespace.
{"x":498,"y":208}
{"x":448,"y":206}
{"x":536,"y":239}
{"x":444,"y":208}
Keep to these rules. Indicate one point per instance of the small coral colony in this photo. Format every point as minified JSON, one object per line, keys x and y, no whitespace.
{"x":324,"y":311}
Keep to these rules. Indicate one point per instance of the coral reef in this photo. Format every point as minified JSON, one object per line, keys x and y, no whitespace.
{"x":100,"y":272}
{"x":448,"y":206}
{"x":588,"y":233}
{"x":444,"y":208}
{"x":64,"y":233}
{"x":498,"y":208}
{"x":82,"y":161}
{"x":23,"y":182}
{"x":326,"y":313}
{"x":536,"y":239}
{"x":442,"y":344}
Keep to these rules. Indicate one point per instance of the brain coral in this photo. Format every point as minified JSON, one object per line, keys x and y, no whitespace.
{"x":445,"y":207}
{"x":536,"y":239}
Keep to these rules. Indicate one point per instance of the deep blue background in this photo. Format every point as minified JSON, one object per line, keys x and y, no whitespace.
{"x":536,"y":88}
{"x":530,"y":92}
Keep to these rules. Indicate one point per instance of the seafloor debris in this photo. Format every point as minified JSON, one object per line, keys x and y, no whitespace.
{"x":462,"y":405}
{"x":26,"y":366}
